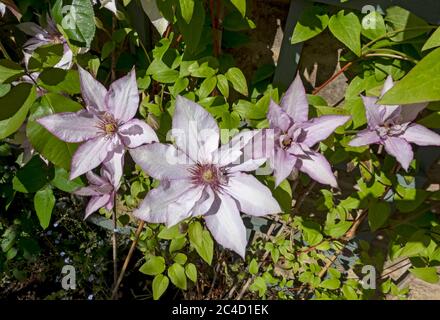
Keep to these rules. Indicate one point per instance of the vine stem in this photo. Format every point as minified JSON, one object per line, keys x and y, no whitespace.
{"x":115,"y":246}
{"x":336,"y":75}
{"x":298,"y":205}
{"x":127,"y":259}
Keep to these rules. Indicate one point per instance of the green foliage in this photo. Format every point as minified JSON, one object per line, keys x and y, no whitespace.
{"x":314,"y":249}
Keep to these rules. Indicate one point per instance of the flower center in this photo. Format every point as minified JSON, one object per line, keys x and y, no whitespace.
{"x":108,"y":124}
{"x":208,"y":175}
{"x":286,"y":141}
{"x":390,"y":130}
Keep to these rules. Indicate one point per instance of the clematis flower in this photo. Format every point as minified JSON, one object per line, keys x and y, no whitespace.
{"x":392,"y":127}
{"x":295,"y":136}
{"x":102,"y":189}
{"x":2,"y":9}
{"x":106,"y":126}
{"x":108,"y":4}
{"x":199,"y":178}
{"x":42,"y":37}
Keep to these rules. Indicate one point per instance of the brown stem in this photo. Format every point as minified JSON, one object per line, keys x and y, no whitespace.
{"x":214,"y":8}
{"x":115,"y":246}
{"x":113,"y":67}
{"x":336,"y":75}
{"x":127,"y":259}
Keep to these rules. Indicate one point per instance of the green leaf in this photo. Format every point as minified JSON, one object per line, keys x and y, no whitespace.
{"x":416,"y":245}
{"x":349,"y":293}
{"x":428,"y":274}
{"x":347,"y":29}
{"x":311,"y":23}
{"x":177,"y":244}
{"x":12,"y":124}
{"x":191,"y":272}
{"x":401,"y":19}
{"x":160,"y":285}
{"x":433,"y":41}
{"x":187,"y":9}
{"x":311,"y":233}
{"x":4,"y":89}
{"x":180,"y":258}
{"x":337,"y":230}
{"x":192,"y":31}
{"x":60,"y":81}
{"x":44,"y":201}
{"x":373,"y":25}
{"x":238,"y":81}
{"x":79,"y":22}
{"x":421,"y":84}
{"x":331,"y":284}
{"x":259,"y":285}
{"x":207,"y":87}
{"x":223,"y":85}
{"x":240,"y":5}
{"x":153,"y":266}
{"x":171,"y":233}
{"x":58,"y":152}
{"x":253,"y":267}
{"x":409,"y":199}
{"x":180,"y":85}
{"x":62,"y":181}
{"x":162,"y":73}
{"x":378,"y":215}
{"x":32,"y":177}
{"x":202,"y":241}
{"x":177,"y":275}
{"x":10,"y":71}
{"x":14,"y":99}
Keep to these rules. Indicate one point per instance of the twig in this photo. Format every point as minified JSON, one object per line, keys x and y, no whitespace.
{"x":127,"y":259}
{"x":115,"y":246}
{"x":298,"y":205}
{"x":336,"y":75}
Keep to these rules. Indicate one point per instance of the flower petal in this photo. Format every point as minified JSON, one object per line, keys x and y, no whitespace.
{"x":110,"y":5}
{"x":182,"y":207}
{"x":195,"y":130}
{"x":375,"y":113}
{"x":418,"y":134}
{"x":154,"y":208}
{"x":94,"y":179}
{"x":113,"y":169}
{"x":295,"y":101}
{"x":283,"y":164}
{"x":93,"y":91}
{"x":318,"y":168}
{"x":162,"y":161}
{"x":89,"y":155}
{"x":71,"y":127}
{"x":31,"y":29}
{"x":123,"y":97}
{"x":253,"y":197}
{"x":226,"y":225}
{"x":387,"y":85}
{"x":205,"y":202}
{"x":249,"y":165}
{"x":67,"y":58}
{"x":96,"y":203}
{"x":318,"y":129}
{"x":231,"y":152}
{"x":135,"y":133}
{"x":278,"y":118}
{"x":409,"y":112}
{"x":87,"y":192}
{"x":399,"y":149}
{"x":364,"y":137}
